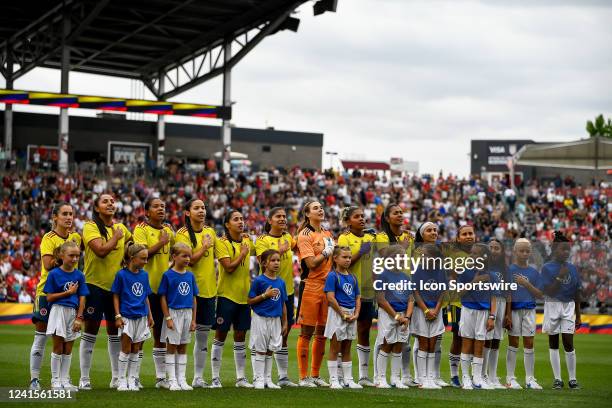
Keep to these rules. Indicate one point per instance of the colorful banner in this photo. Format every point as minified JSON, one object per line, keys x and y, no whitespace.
{"x":21,"y":313}
{"x":9,"y":96}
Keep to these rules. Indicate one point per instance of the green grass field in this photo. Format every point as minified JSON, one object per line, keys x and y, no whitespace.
{"x":594,"y":374}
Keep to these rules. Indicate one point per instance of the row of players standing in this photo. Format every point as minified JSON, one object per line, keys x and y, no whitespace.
{"x":224,"y":303}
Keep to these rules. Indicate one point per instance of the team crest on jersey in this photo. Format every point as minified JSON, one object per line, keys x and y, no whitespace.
{"x":566,"y":280}
{"x":91,"y":310}
{"x":184,"y":288}
{"x":347,"y":288}
{"x":430,"y":281}
{"x":220,"y":320}
{"x":498,"y":276}
{"x":43,"y":311}
{"x":67,"y":285}
{"x":137,"y":289}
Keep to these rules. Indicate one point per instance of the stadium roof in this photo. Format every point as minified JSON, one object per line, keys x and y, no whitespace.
{"x":181,"y":41}
{"x":594,"y":153}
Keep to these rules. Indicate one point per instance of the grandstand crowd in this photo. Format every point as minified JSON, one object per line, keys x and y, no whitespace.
{"x":533,"y":210}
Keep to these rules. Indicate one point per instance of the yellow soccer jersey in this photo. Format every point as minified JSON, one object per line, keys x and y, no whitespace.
{"x":49,"y":243}
{"x":382,"y":239}
{"x":101,"y":272}
{"x":234,"y":286}
{"x":204,"y":269}
{"x":363,"y":268}
{"x":148,"y":235}
{"x":267,"y":241}
{"x":449,"y":250}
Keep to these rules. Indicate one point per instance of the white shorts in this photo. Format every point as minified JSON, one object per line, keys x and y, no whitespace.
{"x":559,"y":317}
{"x":473,"y":323}
{"x":500,"y":312}
{"x":60,"y":322}
{"x":420,"y":326}
{"x":136,"y":329}
{"x":266,"y":333}
{"x":182,"y":322}
{"x":523,"y":323}
{"x":341,"y":328}
{"x":389,"y":330}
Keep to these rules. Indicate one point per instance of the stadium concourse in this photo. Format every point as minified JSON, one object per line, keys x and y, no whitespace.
{"x":582,"y":212}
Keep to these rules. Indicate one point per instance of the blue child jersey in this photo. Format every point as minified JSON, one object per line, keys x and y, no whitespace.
{"x":397,"y":297}
{"x":133,"y":290}
{"x":496,"y":276}
{"x":345,"y":288}
{"x":570,"y":285}
{"x":521,"y":297}
{"x":474,"y":299}
{"x":59,"y":281}
{"x":270,"y":307}
{"x":423,"y":276}
{"x":179,"y":289}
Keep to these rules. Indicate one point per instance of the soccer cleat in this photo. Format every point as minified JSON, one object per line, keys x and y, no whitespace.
{"x":410,"y":382}
{"x":56,"y":385}
{"x":184,"y":386}
{"x":467,"y":383}
{"x":440,"y":382}
{"x":557,"y":384}
{"x":286,"y":382}
{"x":174,"y":386}
{"x":138,"y":384}
{"x":162,"y":383}
{"x":512,"y":384}
{"x":133,"y":384}
{"x":496,"y":384}
{"x":307,"y":383}
{"x":259,"y":384}
{"x":114,"y":382}
{"x":455,"y":382}
{"x":319,"y":382}
{"x":270,"y":384}
{"x":335,"y":385}
{"x":429,"y":384}
{"x":123,"y":386}
{"x":216,"y":383}
{"x":35,"y":384}
{"x":399,"y":385}
{"x":85,"y":384}
{"x":366,"y":382}
{"x":531,"y":383}
{"x":70,"y":387}
{"x":382,"y":384}
{"x":573,"y":384}
{"x":243,"y":383}
{"x":198,"y":382}
{"x":352,"y":385}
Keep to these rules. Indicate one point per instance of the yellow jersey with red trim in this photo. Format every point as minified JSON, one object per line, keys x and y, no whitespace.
{"x":204,"y":269}
{"x":158,"y":263}
{"x":101,"y":272}
{"x":266,"y":241}
{"x":362,"y":269}
{"x":234,"y":285}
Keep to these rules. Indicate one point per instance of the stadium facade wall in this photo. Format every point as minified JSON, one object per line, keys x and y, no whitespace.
{"x":89,"y":138}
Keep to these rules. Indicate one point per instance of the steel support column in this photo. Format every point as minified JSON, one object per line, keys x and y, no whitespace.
{"x":63,"y":116}
{"x":8,"y":108}
{"x":161,"y":129}
{"x":226,"y":130}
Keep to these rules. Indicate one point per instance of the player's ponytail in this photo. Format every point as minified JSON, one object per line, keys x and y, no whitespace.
{"x":131,"y":250}
{"x":97,"y":219}
{"x":192,"y":236}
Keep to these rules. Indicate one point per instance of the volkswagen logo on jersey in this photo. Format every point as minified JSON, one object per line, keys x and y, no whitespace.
{"x":566,"y":280}
{"x":498,"y":276}
{"x":184,"y":288}
{"x":67,"y":285}
{"x":137,"y":289}
{"x":276,"y":297}
{"x":347,"y":288}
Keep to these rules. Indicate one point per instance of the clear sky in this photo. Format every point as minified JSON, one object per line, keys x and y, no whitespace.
{"x":417,"y":79}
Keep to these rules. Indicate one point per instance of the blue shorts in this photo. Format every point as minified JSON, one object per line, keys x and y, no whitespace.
{"x":290,"y":305}
{"x":205,"y":311}
{"x":367,"y":312}
{"x":41,"y":310}
{"x":98,"y":304}
{"x":232,"y":314}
